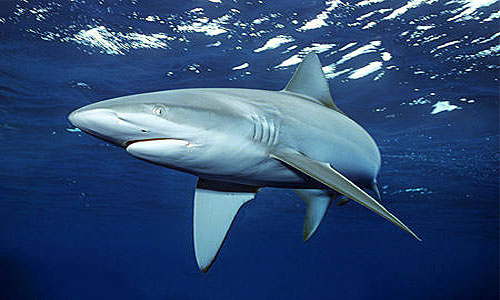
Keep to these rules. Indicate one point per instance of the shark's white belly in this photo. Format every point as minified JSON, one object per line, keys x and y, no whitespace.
{"x":229,"y":158}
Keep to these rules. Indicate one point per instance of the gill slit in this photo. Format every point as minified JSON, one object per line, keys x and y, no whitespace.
{"x":264,"y":131}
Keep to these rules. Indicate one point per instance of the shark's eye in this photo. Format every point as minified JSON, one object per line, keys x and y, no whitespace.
{"x":159,"y":110}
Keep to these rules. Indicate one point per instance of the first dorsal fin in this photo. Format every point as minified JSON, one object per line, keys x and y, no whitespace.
{"x":215,"y":206}
{"x":310,"y":81}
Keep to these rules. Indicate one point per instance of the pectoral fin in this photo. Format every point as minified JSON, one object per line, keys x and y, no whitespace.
{"x":317,"y":202}
{"x":330,"y":177}
{"x":215,"y":206}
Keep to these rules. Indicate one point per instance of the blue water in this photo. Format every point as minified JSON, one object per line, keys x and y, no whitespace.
{"x":81,"y":219}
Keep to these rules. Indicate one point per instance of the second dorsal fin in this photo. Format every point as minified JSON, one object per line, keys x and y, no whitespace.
{"x":309,"y":80}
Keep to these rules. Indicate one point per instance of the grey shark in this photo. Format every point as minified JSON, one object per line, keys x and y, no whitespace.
{"x":239,"y":140}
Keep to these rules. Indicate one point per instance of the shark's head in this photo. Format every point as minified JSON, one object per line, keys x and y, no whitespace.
{"x":171,"y":128}
{"x":126,"y":120}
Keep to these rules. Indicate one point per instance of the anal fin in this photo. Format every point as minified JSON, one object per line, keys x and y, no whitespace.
{"x":215,"y":206}
{"x":343,"y":200}
{"x":376,"y":190}
{"x":317,"y":203}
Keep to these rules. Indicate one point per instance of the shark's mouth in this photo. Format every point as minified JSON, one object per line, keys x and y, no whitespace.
{"x":157,"y":150}
{"x":146,"y":140}
{"x":155,"y":139}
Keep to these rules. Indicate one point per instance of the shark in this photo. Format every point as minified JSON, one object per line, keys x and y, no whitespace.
{"x":237,"y":141}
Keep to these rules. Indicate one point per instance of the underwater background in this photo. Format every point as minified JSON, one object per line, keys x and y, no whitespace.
{"x":81,"y":219}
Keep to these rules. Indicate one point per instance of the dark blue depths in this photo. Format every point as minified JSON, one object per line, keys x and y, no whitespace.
{"x":80,"y":219}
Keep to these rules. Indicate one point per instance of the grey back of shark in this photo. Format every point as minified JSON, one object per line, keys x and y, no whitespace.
{"x":239,"y":140}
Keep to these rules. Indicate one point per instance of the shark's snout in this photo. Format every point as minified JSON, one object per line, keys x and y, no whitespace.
{"x":108,"y":124}
{"x":101,"y":122}
{"x":73,"y":117}
{"x":92,"y":119}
